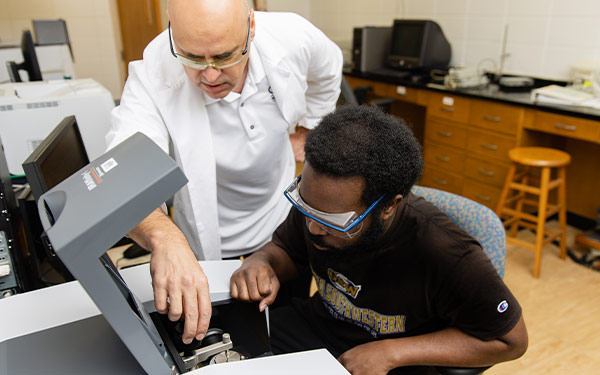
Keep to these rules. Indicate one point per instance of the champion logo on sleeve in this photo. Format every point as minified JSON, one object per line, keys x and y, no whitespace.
{"x":502,"y":306}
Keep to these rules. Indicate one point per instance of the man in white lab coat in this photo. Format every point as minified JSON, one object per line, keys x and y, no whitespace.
{"x":220,"y":91}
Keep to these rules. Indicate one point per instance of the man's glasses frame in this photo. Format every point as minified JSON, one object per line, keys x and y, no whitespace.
{"x":219,"y":64}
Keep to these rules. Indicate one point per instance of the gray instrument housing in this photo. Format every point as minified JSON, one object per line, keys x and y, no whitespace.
{"x":90,"y":211}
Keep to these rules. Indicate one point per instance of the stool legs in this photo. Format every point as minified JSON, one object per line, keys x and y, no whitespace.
{"x":541,"y":221}
{"x":509,"y":177}
{"x":562,"y":215}
{"x":524,"y":180}
{"x":515,"y":218}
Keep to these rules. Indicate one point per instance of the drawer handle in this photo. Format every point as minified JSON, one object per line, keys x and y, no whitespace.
{"x":491,"y":118}
{"x":442,"y":158}
{"x":447,"y":109}
{"x":485,"y":173}
{"x":489,"y":147}
{"x":440,"y":181}
{"x":444,"y":134}
{"x":570,"y":128}
{"x":483,"y":197}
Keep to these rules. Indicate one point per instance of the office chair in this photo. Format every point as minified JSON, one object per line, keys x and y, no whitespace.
{"x":347,"y":92}
{"x":477,"y":220}
{"x":358,"y":96}
{"x":481,"y":223}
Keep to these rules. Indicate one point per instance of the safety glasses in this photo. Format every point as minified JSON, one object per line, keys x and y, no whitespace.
{"x":343,"y":225}
{"x":220,"y":64}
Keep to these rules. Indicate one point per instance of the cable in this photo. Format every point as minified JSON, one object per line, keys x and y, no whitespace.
{"x":487,"y":59}
{"x":437,"y":74}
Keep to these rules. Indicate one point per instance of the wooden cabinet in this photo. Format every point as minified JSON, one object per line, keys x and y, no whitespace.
{"x":449,"y":134}
{"x":489,"y":144}
{"x":448,"y":107}
{"x":466,"y":146}
{"x":571,"y":127}
{"x":466,"y":143}
{"x":496,"y":117}
{"x":486,"y":171}
{"x":445,"y":157}
{"x":439,"y":178}
{"x":482,"y":193}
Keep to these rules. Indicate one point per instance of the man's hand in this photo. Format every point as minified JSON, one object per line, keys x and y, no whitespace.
{"x":367,"y":359}
{"x":298,"y":139}
{"x":255,"y":281}
{"x":181,"y":289}
{"x":180,"y":286}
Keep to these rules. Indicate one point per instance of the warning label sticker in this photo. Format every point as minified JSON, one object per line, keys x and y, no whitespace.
{"x":108,"y":165}
{"x":93,"y":176}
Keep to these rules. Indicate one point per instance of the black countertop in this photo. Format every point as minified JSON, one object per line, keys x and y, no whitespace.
{"x":488,"y":92}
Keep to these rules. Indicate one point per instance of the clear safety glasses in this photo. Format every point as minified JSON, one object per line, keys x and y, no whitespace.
{"x":343,"y":225}
{"x":223,"y":63}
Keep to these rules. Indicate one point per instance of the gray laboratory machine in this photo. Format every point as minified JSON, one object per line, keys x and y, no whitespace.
{"x":91,"y":210}
{"x":88,"y":212}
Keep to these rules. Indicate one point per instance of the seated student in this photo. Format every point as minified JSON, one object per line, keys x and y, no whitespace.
{"x":400,"y":286}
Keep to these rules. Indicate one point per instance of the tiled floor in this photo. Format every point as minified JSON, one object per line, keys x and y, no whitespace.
{"x":561,"y":311}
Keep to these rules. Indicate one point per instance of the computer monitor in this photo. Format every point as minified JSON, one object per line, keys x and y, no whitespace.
{"x":60,"y":154}
{"x":57,"y":157}
{"x":418,"y":45}
{"x":30,"y":62}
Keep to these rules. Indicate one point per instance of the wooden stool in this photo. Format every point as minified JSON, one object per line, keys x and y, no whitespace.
{"x":511,"y":208}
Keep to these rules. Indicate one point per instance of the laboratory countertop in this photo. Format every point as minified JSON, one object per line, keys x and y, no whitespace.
{"x":487,"y":92}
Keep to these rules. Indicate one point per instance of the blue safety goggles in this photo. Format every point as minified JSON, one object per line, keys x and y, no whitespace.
{"x":344,"y":225}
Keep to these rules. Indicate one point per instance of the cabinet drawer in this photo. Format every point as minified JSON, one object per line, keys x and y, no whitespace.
{"x":444,"y":157}
{"x":485,"y":171}
{"x":490,"y":145}
{"x":571,"y":127}
{"x":449,"y":107}
{"x":406,"y":94}
{"x":497,"y":117}
{"x":448,"y":134}
{"x":442,"y":180}
{"x":379,"y":88}
{"x":481,"y":193}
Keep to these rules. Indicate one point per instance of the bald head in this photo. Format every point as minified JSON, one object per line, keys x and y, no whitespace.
{"x":212,"y":30}
{"x":207,"y":16}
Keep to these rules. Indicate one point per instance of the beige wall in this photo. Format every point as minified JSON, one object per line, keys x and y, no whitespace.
{"x":93,"y":29}
{"x":163,"y":14}
{"x":545,"y":37}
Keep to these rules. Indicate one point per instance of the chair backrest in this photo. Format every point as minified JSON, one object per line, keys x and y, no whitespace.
{"x":477,"y":220}
{"x":347,"y":93}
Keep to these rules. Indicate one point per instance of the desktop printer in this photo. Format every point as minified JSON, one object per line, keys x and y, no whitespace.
{"x":30,"y":110}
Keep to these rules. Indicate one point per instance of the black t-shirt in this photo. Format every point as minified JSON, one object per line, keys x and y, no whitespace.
{"x":424,"y":274}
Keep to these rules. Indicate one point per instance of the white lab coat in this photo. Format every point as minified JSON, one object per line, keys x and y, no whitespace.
{"x":304,"y":70}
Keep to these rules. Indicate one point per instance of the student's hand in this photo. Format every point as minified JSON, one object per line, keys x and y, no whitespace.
{"x":181,"y":288}
{"x":298,"y":139}
{"x":255,"y":281}
{"x":367,"y":359}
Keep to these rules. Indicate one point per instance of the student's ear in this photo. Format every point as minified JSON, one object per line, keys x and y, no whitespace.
{"x":391,"y":208}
